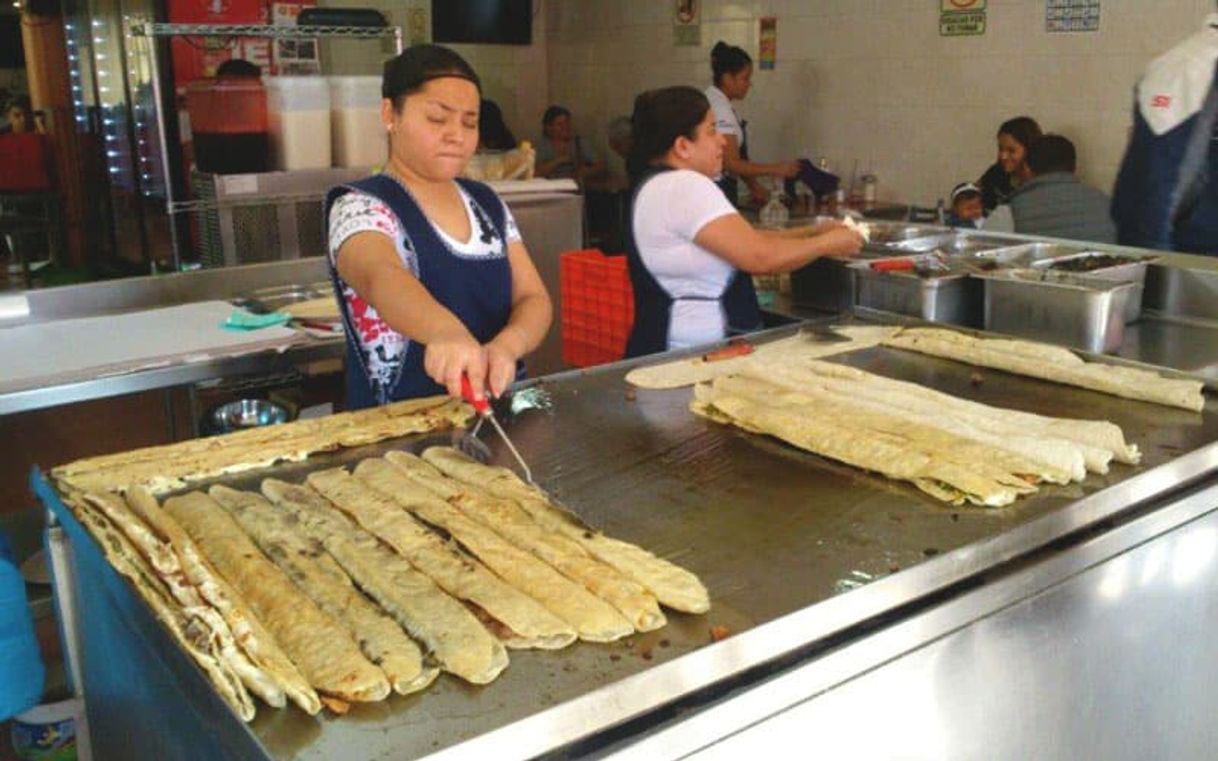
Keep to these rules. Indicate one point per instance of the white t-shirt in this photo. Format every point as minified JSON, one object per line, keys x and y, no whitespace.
{"x":726,"y":120}
{"x":669,"y":211}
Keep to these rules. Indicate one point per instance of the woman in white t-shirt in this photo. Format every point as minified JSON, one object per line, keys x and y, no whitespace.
{"x":732,"y":70}
{"x":433,"y":281}
{"x":690,"y":252}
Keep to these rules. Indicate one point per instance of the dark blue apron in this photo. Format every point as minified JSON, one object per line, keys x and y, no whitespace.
{"x":728,"y":183}
{"x":478,"y":290}
{"x":653,"y":304}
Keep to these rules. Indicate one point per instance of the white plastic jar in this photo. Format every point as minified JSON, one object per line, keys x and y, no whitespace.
{"x":298,"y":116}
{"x":357,"y":136}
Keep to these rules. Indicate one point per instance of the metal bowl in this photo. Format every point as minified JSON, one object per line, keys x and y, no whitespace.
{"x":246,"y":413}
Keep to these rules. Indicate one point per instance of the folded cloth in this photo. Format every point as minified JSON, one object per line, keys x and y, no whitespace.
{"x":818,"y":180}
{"x":21,"y":670}
{"x":243,"y":320}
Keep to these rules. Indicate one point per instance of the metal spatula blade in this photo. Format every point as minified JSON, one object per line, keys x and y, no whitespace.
{"x":483,"y":408}
{"x":821,"y":335}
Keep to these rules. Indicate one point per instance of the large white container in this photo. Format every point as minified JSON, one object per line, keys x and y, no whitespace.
{"x":357,"y":136}
{"x":298,"y":116}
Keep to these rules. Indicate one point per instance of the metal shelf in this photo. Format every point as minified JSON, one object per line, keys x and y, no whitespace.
{"x":264,"y":30}
{"x":165,"y":100}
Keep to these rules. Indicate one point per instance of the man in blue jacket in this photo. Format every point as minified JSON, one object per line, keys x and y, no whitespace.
{"x":1166,"y":194}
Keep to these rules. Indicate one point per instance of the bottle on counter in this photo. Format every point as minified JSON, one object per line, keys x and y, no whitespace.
{"x":298,"y":113}
{"x":228,"y":122}
{"x":357,"y":136}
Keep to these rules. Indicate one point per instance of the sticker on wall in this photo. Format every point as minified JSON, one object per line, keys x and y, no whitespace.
{"x":1072,"y":15}
{"x":686,"y":23}
{"x":768,"y":52}
{"x":416,"y":26}
{"x":961,"y":18}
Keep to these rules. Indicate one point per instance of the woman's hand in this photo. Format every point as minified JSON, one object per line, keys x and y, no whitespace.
{"x":500,"y":367}
{"x":825,"y":226}
{"x":788,"y":170}
{"x":757,"y":191}
{"x":841,"y":241}
{"x":447,"y":359}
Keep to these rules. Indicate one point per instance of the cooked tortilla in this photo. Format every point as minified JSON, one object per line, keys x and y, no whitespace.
{"x":162,"y":559}
{"x":1060,"y":461}
{"x":325,"y":308}
{"x":530,"y":624}
{"x":931,"y":459}
{"x":172,"y":466}
{"x":1052,"y":363}
{"x":253,"y":638}
{"x":323,"y":580}
{"x":1098,"y":441}
{"x":457,"y":641}
{"x":691,"y":370}
{"x":320,"y":647}
{"x":195,"y":640}
{"x":592,"y":618}
{"x":672,"y":585}
{"x":507,"y":518}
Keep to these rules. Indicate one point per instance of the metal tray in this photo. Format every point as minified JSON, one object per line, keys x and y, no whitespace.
{"x":1024,"y":255}
{"x":267,"y":300}
{"x":952,"y":244}
{"x":948,"y":297}
{"x":1075,"y":310}
{"x":891,"y":237}
{"x":1127,"y":269}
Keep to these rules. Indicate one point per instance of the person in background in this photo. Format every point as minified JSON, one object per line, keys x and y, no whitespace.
{"x":732,"y":74}
{"x":562,"y":153}
{"x":1166,"y":194}
{"x":967,"y":210}
{"x":20,"y":115}
{"x":620,"y":136}
{"x":1011,"y":168}
{"x":690,"y":253}
{"x":1053,"y":202}
{"x":433,"y":281}
{"x":493,"y":132}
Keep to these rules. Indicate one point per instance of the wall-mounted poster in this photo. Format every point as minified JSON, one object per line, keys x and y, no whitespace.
{"x":960,"y":18}
{"x":1072,"y":15}
{"x":686,"y":22}
{"x":768,"y":39}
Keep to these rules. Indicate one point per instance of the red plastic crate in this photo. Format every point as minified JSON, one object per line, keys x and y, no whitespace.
{"x":597,"y":307}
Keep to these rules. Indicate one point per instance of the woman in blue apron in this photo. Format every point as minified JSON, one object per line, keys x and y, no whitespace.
{"x":433,"y":281}
{"x":691,"y":254}
{"x":732,"y":69}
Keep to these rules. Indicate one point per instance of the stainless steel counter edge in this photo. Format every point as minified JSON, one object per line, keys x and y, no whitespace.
{"x":811,"y":679}
{"x":630,"y":698}
{"x":308,"y":350}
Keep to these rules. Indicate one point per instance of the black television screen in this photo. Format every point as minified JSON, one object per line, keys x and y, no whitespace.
{"x":501,"y":22}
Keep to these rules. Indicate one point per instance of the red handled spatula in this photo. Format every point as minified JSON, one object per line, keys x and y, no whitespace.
{"x":483,"y":408}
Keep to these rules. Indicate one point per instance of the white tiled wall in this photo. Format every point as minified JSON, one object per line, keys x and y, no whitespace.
{"x":872,"y":81}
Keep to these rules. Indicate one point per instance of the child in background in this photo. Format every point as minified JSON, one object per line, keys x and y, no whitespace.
{"x":967,"y":209}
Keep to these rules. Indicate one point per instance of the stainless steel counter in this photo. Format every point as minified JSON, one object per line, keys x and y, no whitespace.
{"x":798,"y":554}
{"x":550,"y":223}
{"x":1104,"y":652}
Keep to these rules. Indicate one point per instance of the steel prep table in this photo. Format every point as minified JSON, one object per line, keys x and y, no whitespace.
{"x":804,"y":559}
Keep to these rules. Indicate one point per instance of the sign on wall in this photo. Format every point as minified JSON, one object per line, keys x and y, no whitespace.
{"x":768,"y":39}
{"x":1072,"y":15}
{"x":686,"y":23}
{"x":958,"y":18}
